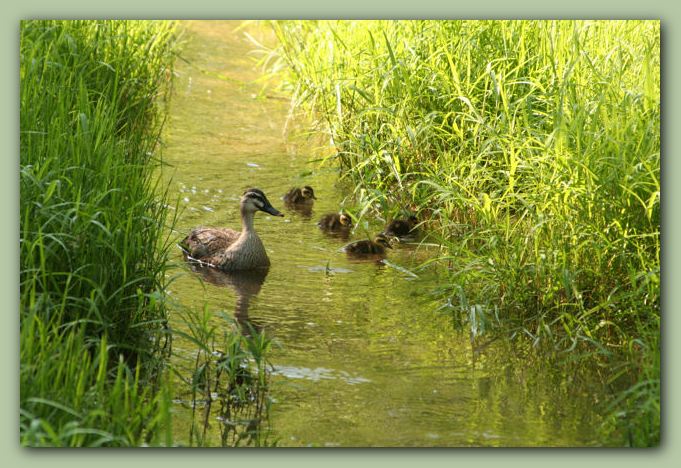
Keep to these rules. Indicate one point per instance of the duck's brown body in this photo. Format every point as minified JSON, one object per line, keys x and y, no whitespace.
{"x":226,"y":249}
{"x":300,"y":196}
{"x":204,"y":242}
{"x":231,"y":250}
{"x":401,"y":227}
{"x":377,"y":246}
{"x":335,"y":222}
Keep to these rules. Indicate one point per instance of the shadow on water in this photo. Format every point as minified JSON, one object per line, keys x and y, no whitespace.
{"x":222,"y":368}
{"x":363,"y":352}
{"x":303,"y":210}
{"x":245,"y":284}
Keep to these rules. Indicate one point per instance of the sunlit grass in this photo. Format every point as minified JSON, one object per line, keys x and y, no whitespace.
{"x":531,"y":149}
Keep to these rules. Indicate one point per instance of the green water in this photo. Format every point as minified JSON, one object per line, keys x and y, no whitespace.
{"x":365,"y":354}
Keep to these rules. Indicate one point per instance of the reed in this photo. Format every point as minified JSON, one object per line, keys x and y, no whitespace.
{"x":225,"y":382}
{"x":95,"y":240}
{"x":93,"y":244}
{"x":532,"y":151}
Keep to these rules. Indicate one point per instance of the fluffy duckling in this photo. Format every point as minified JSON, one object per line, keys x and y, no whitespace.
{"x":401,"y":227}
{"x":376,"y":246}
{"x":230,"y":250}
{"x":300,"y":200}
{"x":300,"y":196}
{"x":335,"y":222}
{"x":336,"y":225}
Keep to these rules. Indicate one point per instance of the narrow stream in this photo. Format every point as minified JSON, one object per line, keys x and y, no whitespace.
{"x":364,"y":355}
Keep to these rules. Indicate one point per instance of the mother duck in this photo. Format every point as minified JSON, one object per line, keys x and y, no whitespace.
{"x":230,"y":250}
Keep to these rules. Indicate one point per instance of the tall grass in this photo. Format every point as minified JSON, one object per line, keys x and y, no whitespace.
{"x":95,"y":240}
{"x":92,"y":235}
{"x":531,"y":151}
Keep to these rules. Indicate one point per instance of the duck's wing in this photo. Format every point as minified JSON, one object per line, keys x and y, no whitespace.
{"x":328,"y":221}
{"x":397,"y":228}
{"x":205,"y":242}
{"x":292,"y":195}
{"x":358,"y":247}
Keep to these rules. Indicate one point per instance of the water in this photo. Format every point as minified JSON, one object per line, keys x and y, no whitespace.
{"x":364,"y":353}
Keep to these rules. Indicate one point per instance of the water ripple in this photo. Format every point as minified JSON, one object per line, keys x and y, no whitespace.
{"x":317,"y":374}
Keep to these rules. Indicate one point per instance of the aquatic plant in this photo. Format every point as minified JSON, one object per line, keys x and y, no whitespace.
{"x":531,"y":150}
{"x":226,"y":380}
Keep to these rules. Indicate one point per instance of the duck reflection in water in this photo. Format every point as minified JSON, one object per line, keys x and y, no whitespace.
{"x":245,"y":283}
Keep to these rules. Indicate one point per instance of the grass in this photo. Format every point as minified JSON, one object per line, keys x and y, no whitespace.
{"x":531,"y":151}
{"x":95,"y":240}
{"x":93,"y":253}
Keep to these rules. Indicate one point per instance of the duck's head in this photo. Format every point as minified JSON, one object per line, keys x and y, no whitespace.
{"x":383,"y":240}
{"x":345,"y":220}
{"x":308,"y":192}
{"x":254,"y":199}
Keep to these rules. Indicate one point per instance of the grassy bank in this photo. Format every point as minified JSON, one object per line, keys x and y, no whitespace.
{"x":95,"y":244}
{"x":531,"y":152}
{"x":92,"y":246}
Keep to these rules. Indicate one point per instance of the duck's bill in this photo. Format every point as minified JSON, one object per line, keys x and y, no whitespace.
{"x":272,"y":210}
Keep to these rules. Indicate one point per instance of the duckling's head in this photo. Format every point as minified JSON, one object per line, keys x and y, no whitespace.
{"x":345,"y":220}
{"x":308,"y":192}
{"x":254,"y":199}
{"x":383,"y":240}
{"x":413,"y":220}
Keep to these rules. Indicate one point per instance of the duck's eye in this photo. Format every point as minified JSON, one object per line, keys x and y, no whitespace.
{"x":257,"y":199}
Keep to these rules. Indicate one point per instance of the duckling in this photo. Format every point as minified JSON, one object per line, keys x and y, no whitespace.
{"x":401,"y":227}
{"x":300,"y":196}
{"x":376,"y":246}
{"x":231,"y":250}
{"x":300,"y":200}
{"x":335,"y":222}
{"x":336,"y":225}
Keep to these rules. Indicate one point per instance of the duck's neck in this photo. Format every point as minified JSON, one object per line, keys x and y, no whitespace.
{"x":247,"y":222}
